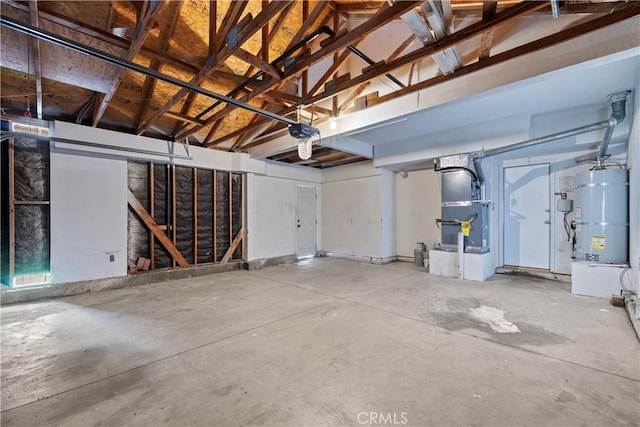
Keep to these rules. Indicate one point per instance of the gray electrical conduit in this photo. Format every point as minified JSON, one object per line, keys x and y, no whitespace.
{"x":618,"y":101}
{"x":7,"y":135}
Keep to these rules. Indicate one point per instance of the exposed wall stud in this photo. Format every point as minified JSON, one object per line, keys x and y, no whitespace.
{"x":195,"y":216}
{"x":152,"y":212}
{"x":12,"y":212}
{"x":215,"y":216}
{"x":173,"y":208}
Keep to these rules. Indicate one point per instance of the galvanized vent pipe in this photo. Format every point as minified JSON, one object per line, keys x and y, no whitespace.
{"x":618,"y":102}
{"x":618,"y":112}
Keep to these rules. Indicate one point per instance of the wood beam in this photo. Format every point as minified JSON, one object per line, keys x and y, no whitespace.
{"x":35,"y":44}
{"x":356,"y":93}
{"x":254,"y":119}
{"x":213,"y":26}
{"x":364,"y":85}
{"x":337,"y":63}
{"x":264,"y":48}
{"x":230,"y":20}
{"x":244,"y":34}
{"x":489,"y":8}
{"x":184,"y":118}
{"x":384,"y":15}
{"x":227,"y":109}
{"x":150,"y":83}
{"x":545,"y":42}
{"x":102,"y":35}
{"x":305,"y":73}
{"x":279,"y":22}
{"x":258,"y":62}
{"x":311,"y":20}
{"x":455,"y":38}
{"x":234,"y":245}
{"x":438,"y":46}
{"x":142,"y":31}
{"x":155,"y":229}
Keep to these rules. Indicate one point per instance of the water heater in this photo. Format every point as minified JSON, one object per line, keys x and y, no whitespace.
{"x":602,"y":215}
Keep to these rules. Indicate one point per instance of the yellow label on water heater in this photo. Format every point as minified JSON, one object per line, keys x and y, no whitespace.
{"x":465,"y":227}
{"x":597,"y":242}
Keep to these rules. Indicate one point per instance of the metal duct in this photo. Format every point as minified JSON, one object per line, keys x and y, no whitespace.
{"x":618,"y":101}
{"x":618,"y":113}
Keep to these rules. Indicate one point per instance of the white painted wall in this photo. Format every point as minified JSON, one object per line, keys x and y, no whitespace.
{"x":634,"y":190}
{"x":89,"y":200}
{"x":388,"y":214}
{"x":562,"y":155}
{"x":352,"y":211}
{"x":417,"y":205}
{"x":271,"y":211}
{"x":88,"y":217}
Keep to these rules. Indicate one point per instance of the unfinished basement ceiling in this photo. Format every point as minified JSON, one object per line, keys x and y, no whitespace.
{"x":330,"y":75}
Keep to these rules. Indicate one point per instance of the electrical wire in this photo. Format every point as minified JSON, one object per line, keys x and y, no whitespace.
{"x":622,"y":274}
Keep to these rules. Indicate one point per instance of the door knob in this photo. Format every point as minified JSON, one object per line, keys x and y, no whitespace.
{"x":547,"y":222}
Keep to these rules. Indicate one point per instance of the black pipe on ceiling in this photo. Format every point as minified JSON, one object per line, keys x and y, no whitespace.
{"x":286,"y":54}
{"x":114,"y":60}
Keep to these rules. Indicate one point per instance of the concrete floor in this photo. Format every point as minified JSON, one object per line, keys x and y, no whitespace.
{"x":321,"y":342}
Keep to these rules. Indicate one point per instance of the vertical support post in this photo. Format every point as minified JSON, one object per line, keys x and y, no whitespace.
{"x":12,"y":213}
{"x":173,"y":208}
{"x":242,"y":208}
{"x":195,"y":216}
{"x":215,"y":217}
{"x":230,"y":208}
{"x":152,"y":212}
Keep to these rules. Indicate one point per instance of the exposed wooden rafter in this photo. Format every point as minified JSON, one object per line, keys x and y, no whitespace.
{"x":142,"y":30}
{"x":489,"y":8}
{"x":166,"y":34}
{"x":455,"y":38}
{"x":37,"y":63}
{"x":385,"y":15}
{"x":225,"y":52}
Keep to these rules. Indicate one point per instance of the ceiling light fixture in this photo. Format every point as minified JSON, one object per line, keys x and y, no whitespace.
{"x":333,"y":122}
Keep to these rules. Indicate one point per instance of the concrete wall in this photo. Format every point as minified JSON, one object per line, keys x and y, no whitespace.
{"x":417,"y":205}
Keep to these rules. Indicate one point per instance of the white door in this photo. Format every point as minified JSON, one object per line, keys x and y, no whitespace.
{"x":527,"y":216}
{"x":306,"y":221}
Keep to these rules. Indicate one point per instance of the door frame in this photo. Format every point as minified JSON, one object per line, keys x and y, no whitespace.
{"x":315,"y":187}
{"x":501,"y":212}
